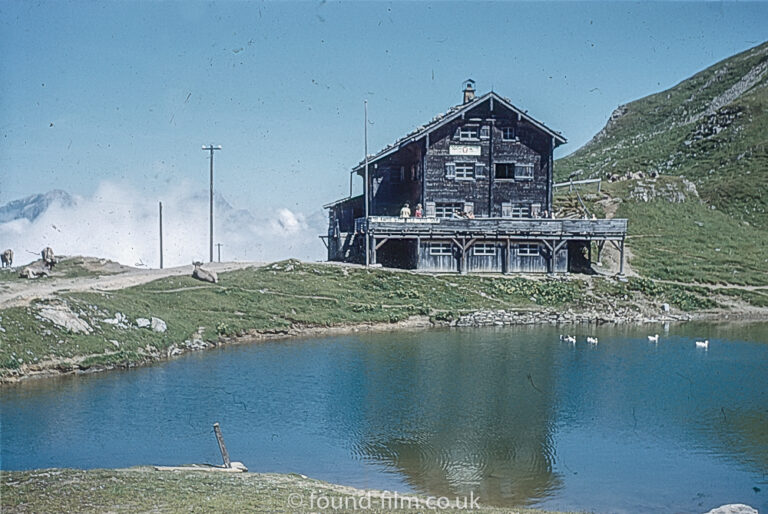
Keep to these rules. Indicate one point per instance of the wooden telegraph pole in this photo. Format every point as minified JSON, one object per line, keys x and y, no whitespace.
{"x":211,"y":148}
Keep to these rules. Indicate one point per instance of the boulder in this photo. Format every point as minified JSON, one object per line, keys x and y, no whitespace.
{"x":143,"y":322}
{"x":158,"y":325}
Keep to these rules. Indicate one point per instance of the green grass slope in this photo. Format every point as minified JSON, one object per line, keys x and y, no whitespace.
{"x":711,"y":129}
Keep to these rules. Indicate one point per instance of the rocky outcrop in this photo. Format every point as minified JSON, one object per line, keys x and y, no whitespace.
{"x":61,"y":316}
{"x":500,"y":318}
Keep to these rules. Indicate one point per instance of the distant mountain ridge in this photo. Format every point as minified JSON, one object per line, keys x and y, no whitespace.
{"x":34,"y":205}
{"x":711,"y":128}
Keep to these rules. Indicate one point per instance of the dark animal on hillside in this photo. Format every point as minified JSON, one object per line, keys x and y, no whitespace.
{"x":7,"y":258}
{"x":49,"y":260}
{"x":203,"y":274}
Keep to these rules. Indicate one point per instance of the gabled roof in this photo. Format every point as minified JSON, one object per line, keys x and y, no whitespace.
{"x":456,"y":112}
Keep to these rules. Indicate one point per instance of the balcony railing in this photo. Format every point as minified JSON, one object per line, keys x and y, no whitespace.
{"x":451,"y":227}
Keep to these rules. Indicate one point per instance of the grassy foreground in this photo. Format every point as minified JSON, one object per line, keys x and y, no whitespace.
{"x":285,"y":298}
{"x":146,"y":490}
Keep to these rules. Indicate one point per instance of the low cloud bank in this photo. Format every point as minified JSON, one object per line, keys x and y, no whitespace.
{"x":121,"y":224}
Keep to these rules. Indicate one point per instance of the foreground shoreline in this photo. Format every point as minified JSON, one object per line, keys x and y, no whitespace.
{"x":142,"y":489}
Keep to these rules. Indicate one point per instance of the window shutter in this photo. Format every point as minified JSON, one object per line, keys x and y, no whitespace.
{"x":450,"y":170}
{"x":479,"y":169}
{"x":469,"y":207}
{"x":430,"y":209}
{"x":485,"y":132}
{"x":506,"y":209}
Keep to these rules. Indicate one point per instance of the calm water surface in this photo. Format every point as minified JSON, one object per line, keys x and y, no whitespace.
{"x":514,"y":415}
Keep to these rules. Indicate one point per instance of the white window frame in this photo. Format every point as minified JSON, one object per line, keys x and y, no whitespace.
{"x":465,"y":170}
{"x":524,"y":171}
{"x":440,"y":248}
{"x":508,"y":133}
{"x":520,"y":211}
{"x":484,"y":249}
{"x":469,"y":133}
{"x":447,"y":209}
{"x":528,"y":249}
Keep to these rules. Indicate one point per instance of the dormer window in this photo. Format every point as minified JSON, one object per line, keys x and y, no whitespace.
{"x":468,"y":133}
{"x":508,"y":133}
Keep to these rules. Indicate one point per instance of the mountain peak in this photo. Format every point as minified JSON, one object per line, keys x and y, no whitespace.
{"x":34,"y":205}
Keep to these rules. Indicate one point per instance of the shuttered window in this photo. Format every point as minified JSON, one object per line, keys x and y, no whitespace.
{"x":450,"y":170}
{"x":465,"y":170}
{"x":446,"y":209}
{"x":468,"y":132}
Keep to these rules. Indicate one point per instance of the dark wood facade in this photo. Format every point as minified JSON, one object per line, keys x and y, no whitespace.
{"x":484,"y":158}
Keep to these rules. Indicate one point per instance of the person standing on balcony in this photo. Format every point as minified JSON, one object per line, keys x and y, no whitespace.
{"x":419,"y":213}
{"x":405,"y":212}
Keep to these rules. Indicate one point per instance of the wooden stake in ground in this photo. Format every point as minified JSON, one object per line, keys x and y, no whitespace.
{"x":220,"y":439}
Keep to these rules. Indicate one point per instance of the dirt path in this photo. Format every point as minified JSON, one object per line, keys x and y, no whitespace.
{"x":21,"y":292}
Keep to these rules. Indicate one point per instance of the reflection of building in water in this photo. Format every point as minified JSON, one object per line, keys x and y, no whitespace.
{"x":464,"y":415}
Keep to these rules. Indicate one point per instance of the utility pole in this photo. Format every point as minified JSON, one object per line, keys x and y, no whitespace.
{"x":161,"y":234}
{"x":367,"y":239}
{"x":218,"y":247}
{"x":211,"y":148}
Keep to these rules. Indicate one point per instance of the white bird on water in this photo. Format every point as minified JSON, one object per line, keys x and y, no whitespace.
{"x":702,"y":344}
{"x":591,"y":340}
{"x":568,"y":339}
{"x":654,"y":338}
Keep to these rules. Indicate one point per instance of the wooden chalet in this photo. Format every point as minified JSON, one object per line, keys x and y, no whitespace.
{"x":483,"y":174}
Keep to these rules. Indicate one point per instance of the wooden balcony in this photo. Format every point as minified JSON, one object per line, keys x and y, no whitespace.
{"x":503,"y":228}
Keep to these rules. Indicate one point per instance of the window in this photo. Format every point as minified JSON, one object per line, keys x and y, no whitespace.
{"x":508,"y":133}
{"x":465,"y":170}
{"x":485,"y":132}
{"x":528,"y":249}
{"x":505,"y":170}
{"x":524,"y":171}
{"x":440,"y":249}
{"x":516,"y":211}
{"x":446,"y":210}
{"x":484,"y":249}
{"x":468,"y":132}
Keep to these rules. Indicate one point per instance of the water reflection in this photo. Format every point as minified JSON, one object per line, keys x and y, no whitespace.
{"x":471,"y":415}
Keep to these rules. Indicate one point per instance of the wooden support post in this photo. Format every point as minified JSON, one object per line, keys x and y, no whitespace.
{"x":621,"y":259}
{"x":600,"y":246}
{"x":220,"y":439}
{"x":508,"y":257}
{"x":551,"y":258}
{"x":374,"y":247}
{"x":589,"y":251}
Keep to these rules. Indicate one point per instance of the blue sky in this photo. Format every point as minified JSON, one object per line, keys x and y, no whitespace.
{"x":127,"y":92}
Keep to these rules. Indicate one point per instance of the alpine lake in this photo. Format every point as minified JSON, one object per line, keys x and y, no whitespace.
{"x":512,"y":415}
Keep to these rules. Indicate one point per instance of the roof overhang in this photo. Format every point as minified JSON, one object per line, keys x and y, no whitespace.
{"x":421,"y":133}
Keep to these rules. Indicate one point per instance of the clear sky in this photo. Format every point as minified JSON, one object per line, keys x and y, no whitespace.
{"x":127,"y":92}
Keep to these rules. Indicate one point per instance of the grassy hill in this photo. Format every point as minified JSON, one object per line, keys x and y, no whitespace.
{"x":711,"y":128}
{"x":689,"y":168}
